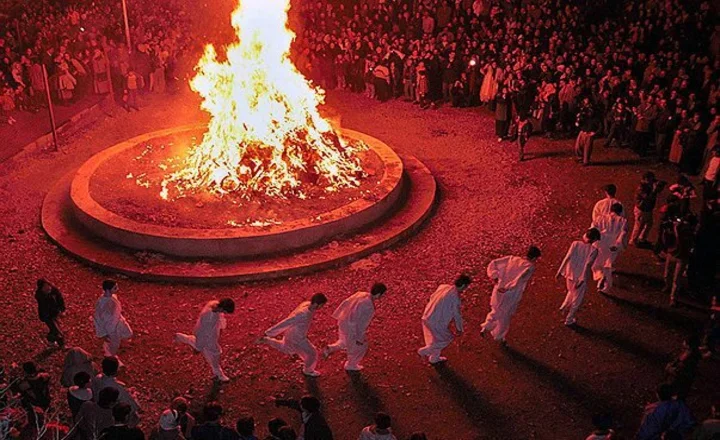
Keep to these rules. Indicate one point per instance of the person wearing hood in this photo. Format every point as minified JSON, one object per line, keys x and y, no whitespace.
{"x":79,"y":393}
{"x":77,"y":360}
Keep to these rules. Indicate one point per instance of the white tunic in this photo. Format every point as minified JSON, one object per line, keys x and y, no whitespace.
{"x":613,"y":233}
{"x":443,"y":307}
{"x":513,"y":274}
{"x":208,"y":327}
{"x":353,"y":316}
{"x":295,"y":327}
{"x":578,"y":261}
{"x":109,"y":319}
{"x":603,"y":207}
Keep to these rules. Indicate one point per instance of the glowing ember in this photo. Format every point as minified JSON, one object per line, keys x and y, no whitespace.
{"x":265,"y":134}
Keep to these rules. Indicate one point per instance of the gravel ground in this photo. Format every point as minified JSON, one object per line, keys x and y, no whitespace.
{"x":546,"y":385}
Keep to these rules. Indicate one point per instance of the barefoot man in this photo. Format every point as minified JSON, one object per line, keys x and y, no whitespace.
{"x":110,"y":324}
{"x":576,"y":268}
{"x":443,"y":307}
{"x":353,"y":316}
{"x":206,"y":337}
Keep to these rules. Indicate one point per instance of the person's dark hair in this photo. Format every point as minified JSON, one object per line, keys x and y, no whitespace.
{"x":245,"y":426}
{"x":665,"y":391}
{"x":108,"y":284}
{"x":110,"y":365}
{"x":602,"y":421}
{"x":463,"y":281}
{"x":81,"y":379}
{"x":378,"y":289}
{"x":318,"y":299}
{"x":29,"y":368}
{"x":212,"y":411}
{"x":275,"y":424}
{"x":533,"y":252}
{"x":672,"y":435}
{"x":617,"y":208}
{"x":41,"y":282}
{"x":382,"y":421}
{"x":121,"y":411}
{"x":683,"y":180}
{"x":418,"y":436}
{"x":179,"y":404}
{"x":227,"y":304}
{"x":107,"y":397}
{"x":287,"y":433}
{"x":310,"y":403}
{"x":610,"y":189}
{"x":593,"y":234}
{"x":649,"y":176}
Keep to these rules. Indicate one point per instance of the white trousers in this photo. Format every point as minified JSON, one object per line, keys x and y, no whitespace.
{"x":304,"y":349}
{"x":355,"y":352}
{"x":111,"y":344}
{"x":497,"y":324}
{"x":573,"y":300}
{"x":212,"y":356}
{"x":435,"y":341}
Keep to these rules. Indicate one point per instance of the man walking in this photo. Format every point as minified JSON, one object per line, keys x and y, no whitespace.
{"x":110,"y":324}
{"x":206,"y":336}
{"x":575,"y":267}
{"x":510,"y":275}
{"x":645,"y":201}
{"x":354,"y":316}
{"x":587,"y":122}
{"x":294,"y":330}
{"x":50,"y":306}
{"x":443,"y":307}
{"x":603,"y":206}
{"x":613,"y":239}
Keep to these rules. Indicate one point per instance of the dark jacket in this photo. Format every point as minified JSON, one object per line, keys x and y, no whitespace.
{"x":315,"y":428}
{"x":213,"y":431}
{"x":50,"y":305}
{"x":121,"y":432}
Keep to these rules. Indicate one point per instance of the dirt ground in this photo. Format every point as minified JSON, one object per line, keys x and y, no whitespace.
{"x":546,"y":385}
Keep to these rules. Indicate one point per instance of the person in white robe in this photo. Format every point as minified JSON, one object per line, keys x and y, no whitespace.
{"x":294,"y":330}
{"x":603,"y":206}
{"x":206,"y":336}
{"x":354,"y":316}
{"x":576,"y":269}
{"x":613,"y":239}
{"x":443,"y":308}
{"x":110,"y":324}
{"x":510,"y":275}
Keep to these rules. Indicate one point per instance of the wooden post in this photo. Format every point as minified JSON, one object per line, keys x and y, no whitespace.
{"x":127,"y":26}
{"x":50,"y":107}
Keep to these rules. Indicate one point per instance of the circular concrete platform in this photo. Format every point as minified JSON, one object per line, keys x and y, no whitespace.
{"x":232,"y":242}
{"x":413,"y":206}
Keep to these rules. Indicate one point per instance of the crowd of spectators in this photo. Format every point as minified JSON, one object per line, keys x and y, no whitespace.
{"x":642,"y":73}
{"x":83,"y":47}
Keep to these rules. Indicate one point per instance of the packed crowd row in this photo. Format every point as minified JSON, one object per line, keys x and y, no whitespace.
{"x":649,"y":69}
{"x":83,"y":48}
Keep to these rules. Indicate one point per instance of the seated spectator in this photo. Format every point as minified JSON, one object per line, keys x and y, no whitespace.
{"x":79,"y":393}
{"x":667,"y":414}
{"x":185,"y":419}
{"x":710,"y":428}
{"x":212,"y":429}
{"x":380,"y":430}
{"x":314,"y":424}
{"x":120,"y":430}
{"x":168,"y":427}
{"x":274,"y":426}
{"x":246,"y":428}
{"x":93,"y":417}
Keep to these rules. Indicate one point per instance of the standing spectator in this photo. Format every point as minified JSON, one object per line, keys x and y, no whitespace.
{"x":107,"y":379}
{"x":274,"y":426}
{"x":314,"y":425}
{"x":380,"y":430}
{"x":678,"y":255}
{"x":663,"y":127}
{"x":711,"y":175}
{"x":120,"y":430}
{"x":93,"y":417}
{"x":212,"y":428}
{"x":524,"y":130}
{"x":168,"y":427}
{"x":245,"y":427}
{"x":502,"y":114}
{"x":684,"y":190}
{"x":77,"y":360}
{"x":34,"y":389}
{"x":587,"y":122}
{"x":710,"y":428}
{"x":99,"y":67}
{"x":645,"y":115}
{"x":185,"y":419}
{"x":680,"y":138}
{"x":682,"y":370}
{"x":618,"y":124}
{"x":645,"y":201}
{"x":667,"y":414}
{"x":132,"y":84}
{"x":50,"y":305}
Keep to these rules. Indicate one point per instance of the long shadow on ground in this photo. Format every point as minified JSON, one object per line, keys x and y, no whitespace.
{"x":623,"y":343}
{"x":483,"y":414}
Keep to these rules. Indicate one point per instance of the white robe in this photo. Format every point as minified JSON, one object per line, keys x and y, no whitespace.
{"x":109,"y":321}
{"x":603,"y":206}
{"x":443,"y":307}
{"x":513,"y":274}
{"x":206,"y":336}
{"x":613,"y":233}
{"x":294,"y":330}
{"x":353,"y":316}
{"x":576,"y":268}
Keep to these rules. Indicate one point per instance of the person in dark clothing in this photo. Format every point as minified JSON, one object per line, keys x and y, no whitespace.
{"x":645,"y":201}
{"x":50,"y":305}
{"x":212,"y":429}
{"x":120,"y":430}
{"x":682,"y":370}
{"x":314,"y":425}
{"x":502,"y":114}
{"x":663,"y":127}
{"x":588,"y":125}
{"x":245,"y":427}
{"x":34,"y":389}
{"x":524,"y":129}
{"x":79,"y":393}
{"x":274,"y":426}
{"x":678,"y":254}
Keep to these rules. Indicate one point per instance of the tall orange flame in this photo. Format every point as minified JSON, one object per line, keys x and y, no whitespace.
{"x":265,"y":134}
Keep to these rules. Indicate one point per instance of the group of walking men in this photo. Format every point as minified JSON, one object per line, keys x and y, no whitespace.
{"x":591,"y":256}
